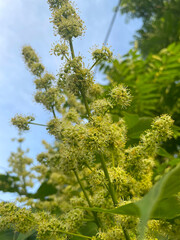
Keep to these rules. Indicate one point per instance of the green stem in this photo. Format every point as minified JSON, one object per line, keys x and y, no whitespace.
{"x":113,"y":161}
{"x":110,"y":185}
{"x":73,"y":234}
{"x":82,"y":92}
{"x":87,"y":198}
{"x":71,"y":48}
{"x":126,"y":234}
{"x":14,"y":236}
{"x":86,"y":103}
{"x":66,"y":57}
{"x":112,"y":192}
{"x":53,"y":112}
{"x":94,"y":64}
{"x":38,"y":124}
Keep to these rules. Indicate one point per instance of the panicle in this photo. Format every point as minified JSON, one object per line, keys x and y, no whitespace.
{"x":55,"y":4}
{"x":32,"y":61}
{"x":100,"y":106}
{"x":161,"y":131}
{"x":72,"y":116}
{"x":61,"y":50}
{"x":18,"y":219}
{"x":76,"y":79}
{"x":22,"y":122}
{"x":55,"y":127}
{"x":120,"y":96}
{"x":103,"y":54}
{"x":50,"y":98}
{"x":44,"y":82}
{"x":67,"y":22}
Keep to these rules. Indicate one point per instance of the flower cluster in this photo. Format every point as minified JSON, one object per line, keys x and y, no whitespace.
{"x":91,"y":163}
{"x":102,"y":54}
{"x":66,"y":21}
{"x":32,"y":61}
{"x":61,"y":50}
{"x":121,"y":96}
{"x":22,"y":122}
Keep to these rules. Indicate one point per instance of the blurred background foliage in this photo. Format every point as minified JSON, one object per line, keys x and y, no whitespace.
{"x":161,"y":22}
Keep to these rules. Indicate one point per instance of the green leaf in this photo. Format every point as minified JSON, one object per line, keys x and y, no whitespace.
{"x":89,"y":229}
{"x":23,"y":236}
{"x":8,"y":183}
{"x":162,"y":152}
{"x":6,"y":235}
{"x":131,"y":119}
{"x":143,"y":124}
{"x":161,"y":202}
{"x":44,"y":190}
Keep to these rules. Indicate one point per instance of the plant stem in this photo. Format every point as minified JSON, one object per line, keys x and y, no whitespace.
{"x":86,"y":103}
{"x":86,"y":196}
{"x":110,"y":185}
{"x":126,"y":234}
{"x":113,"y":161}
{"x":38,"y":124}
{"x":94,"y":64}
{"x":53,"y":112}
{"x":71,"y":48}
{"x":14,"y":236}
{"x":74,"y":234}
{"x":82,"y":92}
{"x":112,"y":192}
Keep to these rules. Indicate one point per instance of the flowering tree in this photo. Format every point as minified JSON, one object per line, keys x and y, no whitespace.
{"x":94,"y":172}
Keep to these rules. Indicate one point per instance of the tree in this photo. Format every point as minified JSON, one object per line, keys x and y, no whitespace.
{"x":161,"y":23}
{"x":90,"y":164}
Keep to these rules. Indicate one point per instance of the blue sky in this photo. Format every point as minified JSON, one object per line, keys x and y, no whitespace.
{"x":26,"y":22}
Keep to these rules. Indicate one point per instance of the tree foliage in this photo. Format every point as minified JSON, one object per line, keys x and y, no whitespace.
{"x":155,"y":87}
{"x":161,"y":22}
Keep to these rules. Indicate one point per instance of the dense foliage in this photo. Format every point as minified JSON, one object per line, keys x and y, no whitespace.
{"x":96,"y":182}
{"x":161,"y":22}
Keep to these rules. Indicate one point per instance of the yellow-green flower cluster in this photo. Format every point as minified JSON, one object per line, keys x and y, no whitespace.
{"x":72,"y":116}
{"x":102,"y":54}
{"x":100,"y":106}
{"x":44,"y":82}
{"x":50,"y":98}
{"x":112,"y":234}
{"x":61,"y":50}
{"x":121,"y":96}
{"x":12,"y":217}
{"x":53,"y":4}
{"x":48,"y":227}
{"x":66,"y":21}
{"x":22,"y":122}
{"x":32,"y":61}
{"x":103,"y":134}
{"x":139,"y":159}
{"x":75,"y":78}
{"x":161,"y":131}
